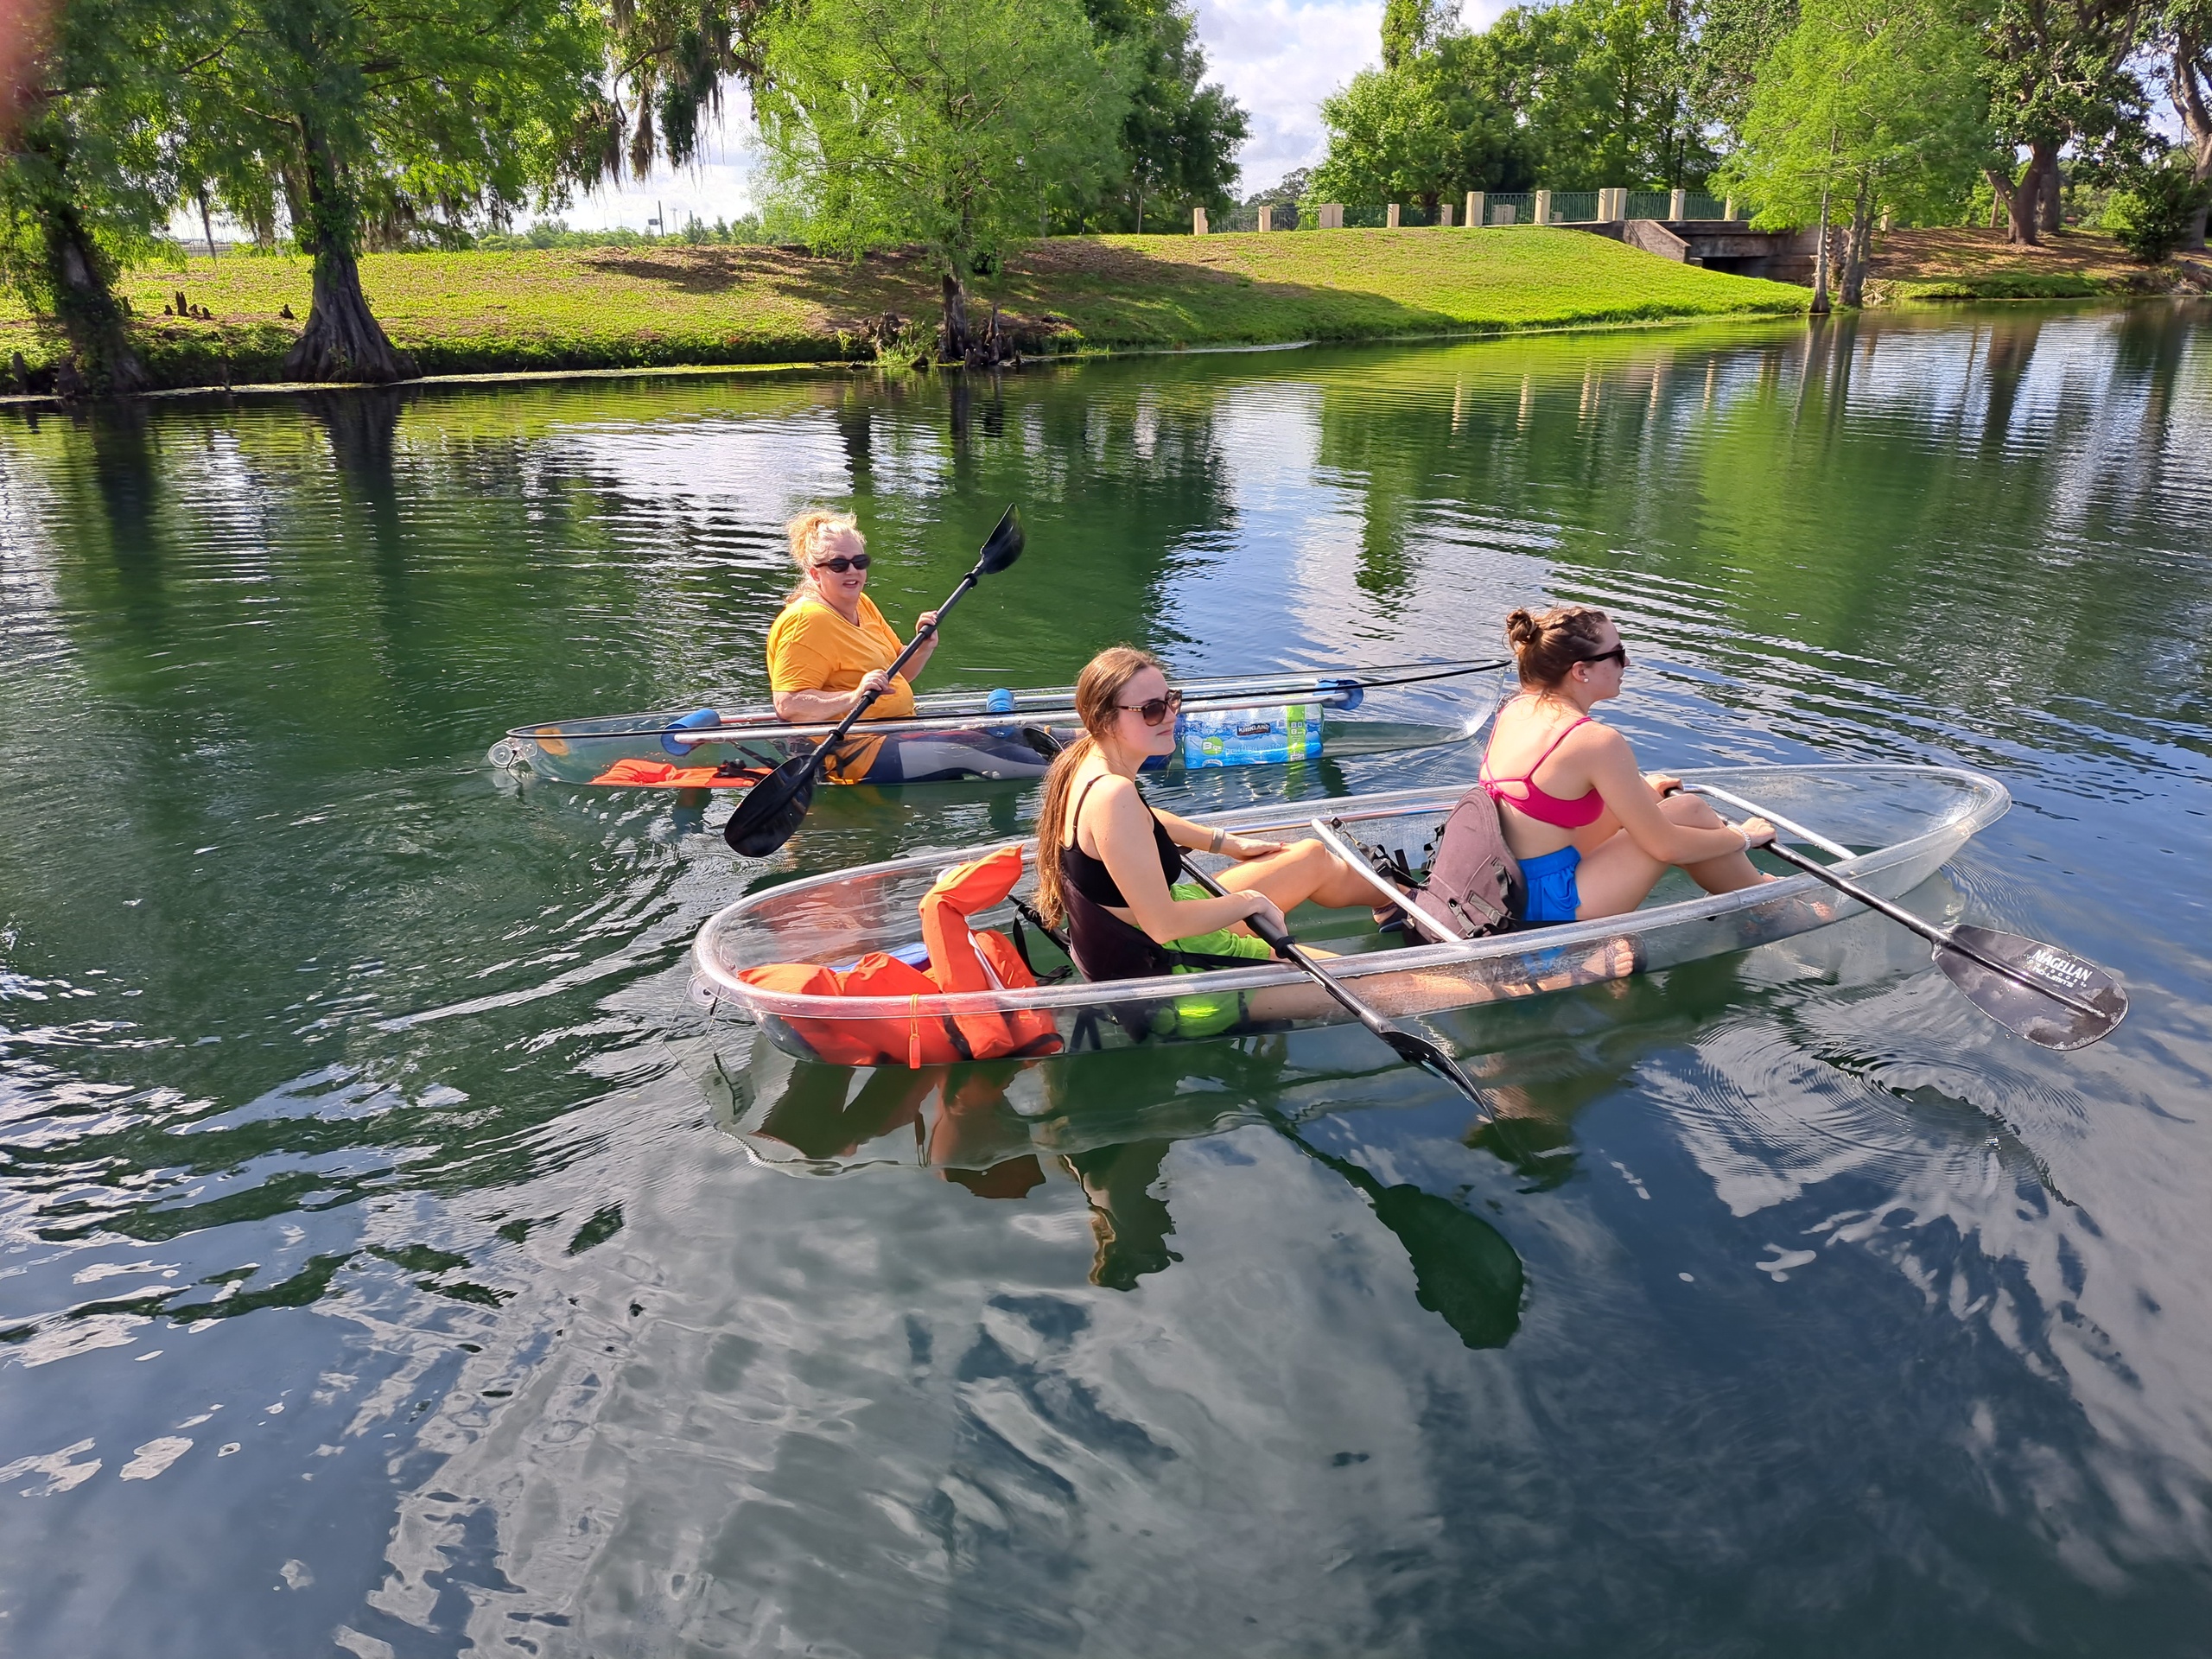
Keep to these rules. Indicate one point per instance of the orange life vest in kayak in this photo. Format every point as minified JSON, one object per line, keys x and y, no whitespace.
{"x":659,"y":774}
{"x":961,"y":959}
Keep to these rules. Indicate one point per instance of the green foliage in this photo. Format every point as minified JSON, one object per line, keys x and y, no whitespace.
{"x":1733,"y":38}
{"x":1410,"y":29}
{"x":1575,"y":96}
{"x":2157,"y":208}
{"x":1178,"y":139}
{"x":748,"y":230}
{"x":1437,"y":127}
{"x":376,"y":122}
{"x":941,"y":123}
{"x":87,"y":169}
{"x":1875,"y":104}
{"x":673,"y":56}
{"x":2058,"y":73}
{"x":1607,"y":92}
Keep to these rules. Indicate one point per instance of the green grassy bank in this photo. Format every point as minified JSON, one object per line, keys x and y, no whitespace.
{"x":631,"y":307}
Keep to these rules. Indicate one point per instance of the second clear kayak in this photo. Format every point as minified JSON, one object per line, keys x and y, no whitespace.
{"x":1239,"y":721}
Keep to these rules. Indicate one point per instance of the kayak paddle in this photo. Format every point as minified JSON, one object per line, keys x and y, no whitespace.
{"x":2049,"y":996}
{"x":773,"y":808}
{"x":1414,"y":1051}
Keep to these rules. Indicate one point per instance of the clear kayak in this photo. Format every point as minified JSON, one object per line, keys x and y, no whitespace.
{"x":1900,"y":824}
{"x":1239,"y":721}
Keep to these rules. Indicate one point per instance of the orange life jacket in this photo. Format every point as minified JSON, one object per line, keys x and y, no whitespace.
{"x":659,"y":774}
{"x":960,"y":960}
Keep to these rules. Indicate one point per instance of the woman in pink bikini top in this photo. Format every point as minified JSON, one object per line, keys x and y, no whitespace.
{"x":1592,"y":833}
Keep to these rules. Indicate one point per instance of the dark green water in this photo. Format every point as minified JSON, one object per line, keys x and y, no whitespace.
{"x":378,"y":1275}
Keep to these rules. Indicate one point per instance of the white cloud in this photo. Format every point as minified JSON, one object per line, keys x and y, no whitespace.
{"x":1280,"y":58}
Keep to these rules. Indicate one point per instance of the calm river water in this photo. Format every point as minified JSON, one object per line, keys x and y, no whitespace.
{"x":380,"y":1273}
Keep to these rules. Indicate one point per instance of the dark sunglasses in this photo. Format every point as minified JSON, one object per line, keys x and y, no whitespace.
{"x":1617,"y":654}
{"x":1153,"y":710}
{"x":841,"y":564}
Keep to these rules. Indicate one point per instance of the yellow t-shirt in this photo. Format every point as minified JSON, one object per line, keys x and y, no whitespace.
{"x":812,"y":648}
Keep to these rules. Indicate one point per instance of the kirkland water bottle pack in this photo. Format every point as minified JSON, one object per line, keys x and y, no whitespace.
{"x":1251,"y":737}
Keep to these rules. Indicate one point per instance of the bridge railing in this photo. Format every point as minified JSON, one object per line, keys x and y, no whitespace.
{"x":1480,"y":207}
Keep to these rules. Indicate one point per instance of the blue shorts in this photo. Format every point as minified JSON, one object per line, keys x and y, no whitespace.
{"x":1552,"y":894}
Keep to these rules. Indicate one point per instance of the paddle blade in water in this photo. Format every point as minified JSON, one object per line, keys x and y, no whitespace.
{"x":2039,"y":1018}
{"x":772,"y":809}
{"x":1004,"y":546}
{"x":1463,"y":1267}
{"x":1415,"y":1051}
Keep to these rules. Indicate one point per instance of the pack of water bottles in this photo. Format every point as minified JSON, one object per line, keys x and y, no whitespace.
{"x":1266,"y":735}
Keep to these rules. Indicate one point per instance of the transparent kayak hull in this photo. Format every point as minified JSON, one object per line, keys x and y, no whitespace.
{"x":1902,"y":821}
{"x":1253,"y":720}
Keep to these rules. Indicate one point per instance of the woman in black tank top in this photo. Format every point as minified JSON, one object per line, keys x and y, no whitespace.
{"x":1108,"y":863}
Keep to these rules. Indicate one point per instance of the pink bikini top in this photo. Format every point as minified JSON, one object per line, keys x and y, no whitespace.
{"x":1585,"y":809}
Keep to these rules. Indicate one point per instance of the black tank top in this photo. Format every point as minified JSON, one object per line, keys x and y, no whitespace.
{"x":1089,"y":876}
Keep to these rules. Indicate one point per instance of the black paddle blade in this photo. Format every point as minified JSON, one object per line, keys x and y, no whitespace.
{"x":770,"y":813}
{"x":1004,"y":546}
{"x":1415,"y":1051}
{"x":1463,"y":1267}
{"x":2039,"y":1018}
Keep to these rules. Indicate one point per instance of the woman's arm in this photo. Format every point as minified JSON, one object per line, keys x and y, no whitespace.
{"x":1635,"y":801}
{"x":803,"y":707}
{"x":912,"y":672}
{"x":1123,"y":830}
{"x":1200,"y":839}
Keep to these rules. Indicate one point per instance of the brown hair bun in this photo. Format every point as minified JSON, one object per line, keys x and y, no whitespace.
{"x":1546,"y":644}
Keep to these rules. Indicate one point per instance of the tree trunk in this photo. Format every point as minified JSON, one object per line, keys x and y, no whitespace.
{"x":80,"y":280}
{"x":342,"y":340}
{"x":87,"y":308}
{"x":2192,"y":70}
{"x":1819,"y":305}
{"x":954,"y":345}
{"x":1854,"y":258}
{"x":2019,"y":203}
{"x":2051,"y":206}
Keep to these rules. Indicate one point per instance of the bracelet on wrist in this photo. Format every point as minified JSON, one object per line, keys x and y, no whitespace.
{"x":1214,"y":846}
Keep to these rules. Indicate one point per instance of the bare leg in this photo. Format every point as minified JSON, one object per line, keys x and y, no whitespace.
{"x":1617,"y":877}
{"x":1304,"y":873}
{"x":1724,"y":874}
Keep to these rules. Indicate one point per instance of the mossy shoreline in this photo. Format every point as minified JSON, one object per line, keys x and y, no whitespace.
{"x":565,"y":311}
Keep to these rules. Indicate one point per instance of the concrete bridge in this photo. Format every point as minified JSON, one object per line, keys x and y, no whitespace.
{"x":1719,"y":245}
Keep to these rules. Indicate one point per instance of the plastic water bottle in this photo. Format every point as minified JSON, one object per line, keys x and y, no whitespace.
{"x":1252,"y":737}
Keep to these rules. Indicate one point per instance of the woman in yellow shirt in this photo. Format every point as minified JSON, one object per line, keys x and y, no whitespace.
{"x":831,"y":646}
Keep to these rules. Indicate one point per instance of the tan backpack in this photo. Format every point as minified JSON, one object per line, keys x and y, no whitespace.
{"x":1473,"y":885}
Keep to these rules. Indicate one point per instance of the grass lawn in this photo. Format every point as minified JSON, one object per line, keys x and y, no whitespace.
{"x":620,"y":308}
{"x":1965,"y":264}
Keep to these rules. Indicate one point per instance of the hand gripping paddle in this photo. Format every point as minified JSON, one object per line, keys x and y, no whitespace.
{"x":1414,"y":1051}
{"x":2049,"y":996}
{"x":775,"y":807}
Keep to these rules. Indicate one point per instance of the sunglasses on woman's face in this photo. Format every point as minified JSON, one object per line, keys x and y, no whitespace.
{"x":841,"y":564}
{"x":1153,"y":710}
{"x":1617,"y":654}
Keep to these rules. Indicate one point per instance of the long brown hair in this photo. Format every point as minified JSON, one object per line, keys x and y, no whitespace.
{"x":1546,"y":644}
{"x":1097,"y":689}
